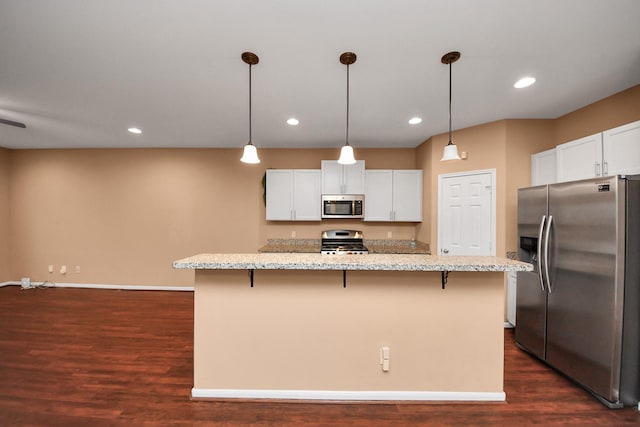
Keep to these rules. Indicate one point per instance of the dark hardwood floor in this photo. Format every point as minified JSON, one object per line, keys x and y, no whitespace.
{"x":86,"y":357}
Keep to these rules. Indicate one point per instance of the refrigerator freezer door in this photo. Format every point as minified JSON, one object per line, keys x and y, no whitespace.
{"x":531,"y":297}
{"x":530,"y":314}
{"x":584,"y":307}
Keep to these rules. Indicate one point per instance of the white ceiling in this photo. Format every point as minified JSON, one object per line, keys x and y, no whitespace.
{"x":79,"y":72}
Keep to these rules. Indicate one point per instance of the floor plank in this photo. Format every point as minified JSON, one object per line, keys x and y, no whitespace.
{"x":79,"y":357}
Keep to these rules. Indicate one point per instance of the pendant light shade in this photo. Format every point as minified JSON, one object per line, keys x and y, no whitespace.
{"x":250,"y":153}
{"x":346,"y":153}
{"x":450,"y":153}
{"x":450,"y":150}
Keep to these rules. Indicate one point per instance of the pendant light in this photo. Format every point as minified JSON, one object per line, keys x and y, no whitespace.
{"x":250,"y":154}
{"x":450,"y":150}
{"x":346,"y":153}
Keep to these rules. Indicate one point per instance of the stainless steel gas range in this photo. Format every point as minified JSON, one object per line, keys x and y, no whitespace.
{"x":343,"y":242}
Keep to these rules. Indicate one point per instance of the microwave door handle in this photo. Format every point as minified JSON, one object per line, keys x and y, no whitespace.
{"x":546,"y":253}
{"x":541,"y":258}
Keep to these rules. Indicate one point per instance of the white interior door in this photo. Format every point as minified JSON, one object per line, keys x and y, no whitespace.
{"x":466,"y":213}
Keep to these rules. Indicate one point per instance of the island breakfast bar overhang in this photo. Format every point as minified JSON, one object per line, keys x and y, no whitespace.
{"x":318,"y":327}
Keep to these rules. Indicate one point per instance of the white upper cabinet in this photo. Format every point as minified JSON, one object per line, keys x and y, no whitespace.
{"x":621,"y":150}
{"x":612,"y":152}
{"x":293,"y":195}
{"x":279,"y":194}
{"x":580,"y":159}
{"x":407,"y":195}
{"x":342,"y":179}
{"x":378,"y":195}
{"x":393,"y":195}
{"x":543,"y":167}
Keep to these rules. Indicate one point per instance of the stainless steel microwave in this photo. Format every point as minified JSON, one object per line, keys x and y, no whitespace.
{"x":342,"y":206}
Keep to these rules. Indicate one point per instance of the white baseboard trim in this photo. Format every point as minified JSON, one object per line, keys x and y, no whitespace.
{"x":102,"y":286}
{"x":509,"y":325}
{"x":452,"y":396}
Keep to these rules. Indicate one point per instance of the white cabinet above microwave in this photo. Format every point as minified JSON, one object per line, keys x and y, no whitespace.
{"x":342,"y":179}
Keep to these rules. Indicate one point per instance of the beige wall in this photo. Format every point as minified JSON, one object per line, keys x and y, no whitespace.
{"x":610,"y":112}
{"x":123,"y":216}
{"x":291,"y":321}
{"x":4,"y":215}
{"x":485,"y":146}
{"x":507,"y":145}
{"x":523,"y":138}
{"x":423,"y":161}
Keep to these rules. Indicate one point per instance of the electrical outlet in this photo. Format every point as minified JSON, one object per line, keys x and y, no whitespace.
{"x":389,"y":234}
{"x":50,"y":268}
{"x":77,"y":269}
{"x":63,"y":269}
{"x":293,"y":234}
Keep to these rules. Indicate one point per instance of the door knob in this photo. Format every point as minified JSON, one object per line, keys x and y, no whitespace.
{"x":446,"y":251}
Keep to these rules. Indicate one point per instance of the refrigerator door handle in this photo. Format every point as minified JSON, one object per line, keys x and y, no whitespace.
{"x":546,"y":253}
{"x":541,"y":257}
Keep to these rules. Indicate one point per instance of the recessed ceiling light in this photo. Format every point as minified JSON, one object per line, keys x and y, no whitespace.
{"x":415,"y":120}
{"x":135,"y":130}
{"x":524,"y":82}
{"x":293,"y":121}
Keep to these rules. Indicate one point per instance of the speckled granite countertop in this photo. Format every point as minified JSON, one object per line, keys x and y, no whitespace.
{"x":316,"y":261}
{"x":374,"y":246}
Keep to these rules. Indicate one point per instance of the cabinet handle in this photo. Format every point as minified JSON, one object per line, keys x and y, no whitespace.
{"x":605,"y":168}
{"x":597,"y":169}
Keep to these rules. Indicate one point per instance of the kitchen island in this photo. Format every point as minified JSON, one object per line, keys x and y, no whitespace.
{"x":311,"y":326}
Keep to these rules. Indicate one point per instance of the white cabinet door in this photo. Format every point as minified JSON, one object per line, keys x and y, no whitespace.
{"x":544,"y":168}
{"x":407,"y":195}
{"x":378,"y":195}
{"x":306,"y":195}
{"x":331,"y":177}
{"x":393,"y":195}
{"x":279,"y":194}
{"x":621,"y":148}
{"x":580,"y":159}
{"x":342,"y":179}
{"x":354,"y":178}
{"x":293,"y":195}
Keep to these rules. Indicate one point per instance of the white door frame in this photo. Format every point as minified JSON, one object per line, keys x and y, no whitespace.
{"x":441,"y":178}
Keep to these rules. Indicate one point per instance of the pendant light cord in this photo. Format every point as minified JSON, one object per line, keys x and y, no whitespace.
{"x":449,"y":104}
{"x":250,"y":138}
{"x":347,"y":104}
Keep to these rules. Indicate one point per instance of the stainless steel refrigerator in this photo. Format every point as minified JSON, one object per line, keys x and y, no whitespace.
{"x":579,"y":310}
